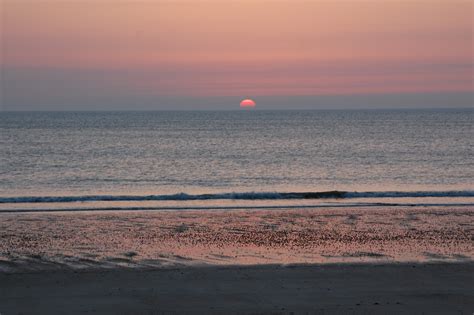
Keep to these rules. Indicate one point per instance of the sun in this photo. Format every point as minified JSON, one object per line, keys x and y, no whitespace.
{"x":247,"y":103}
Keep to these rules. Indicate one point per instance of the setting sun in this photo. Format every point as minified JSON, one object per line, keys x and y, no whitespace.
{"x":247,"y":103}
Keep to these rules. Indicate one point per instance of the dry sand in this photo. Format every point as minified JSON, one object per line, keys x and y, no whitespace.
{"x":319,"y":289}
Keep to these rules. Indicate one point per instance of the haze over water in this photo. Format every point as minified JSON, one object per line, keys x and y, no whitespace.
{"x":82,"y":154}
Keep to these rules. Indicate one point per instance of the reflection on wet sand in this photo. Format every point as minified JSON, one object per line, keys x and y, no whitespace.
{"x":162,"y":239}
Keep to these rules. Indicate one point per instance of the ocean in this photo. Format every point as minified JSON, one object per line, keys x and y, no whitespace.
{"x":235,"y":159}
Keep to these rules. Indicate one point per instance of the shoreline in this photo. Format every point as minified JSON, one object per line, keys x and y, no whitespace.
{"x":435,"y":288}
{"x":229,"y":208}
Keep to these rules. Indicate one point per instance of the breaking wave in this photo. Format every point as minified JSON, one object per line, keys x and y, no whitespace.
{"x":240,"y":196}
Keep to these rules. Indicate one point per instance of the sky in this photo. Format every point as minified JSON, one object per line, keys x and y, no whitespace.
{"x":152,"y":55}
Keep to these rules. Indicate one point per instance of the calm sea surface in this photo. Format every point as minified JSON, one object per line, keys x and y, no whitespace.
{"x":175,"y":159}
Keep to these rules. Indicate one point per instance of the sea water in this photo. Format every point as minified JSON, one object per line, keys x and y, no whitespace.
{"x":235,"y":159}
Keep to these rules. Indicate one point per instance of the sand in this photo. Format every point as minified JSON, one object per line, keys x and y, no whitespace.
{"x":327,"y":261}
{"x":320,"y":289}
{"x":143,"y":239}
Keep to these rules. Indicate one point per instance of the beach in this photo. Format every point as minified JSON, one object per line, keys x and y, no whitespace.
{"x":265,"y":289}
{"x":236,"y":157}
{"x":42,"y":240}
{"x":338,"y":211}
{"x":323,"y":260}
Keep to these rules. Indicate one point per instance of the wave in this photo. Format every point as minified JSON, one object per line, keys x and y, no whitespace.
{"x":240,"y":196}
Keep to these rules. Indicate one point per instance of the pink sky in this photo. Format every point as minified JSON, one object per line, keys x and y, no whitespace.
{"x":240,"y":48}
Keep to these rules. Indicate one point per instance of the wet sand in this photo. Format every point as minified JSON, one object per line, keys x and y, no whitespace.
{"x":357,"y":261}
{"x":264,"y":289}
{"x":163,"y":239}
